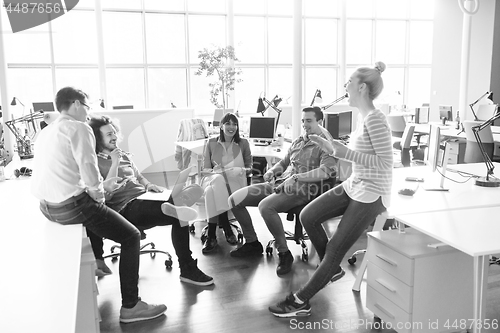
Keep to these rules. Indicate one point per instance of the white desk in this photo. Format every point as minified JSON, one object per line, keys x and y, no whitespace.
{"x":472,"y":231}
{"x":463,"y":217}
{"x":41,"y":260}
{"x":269,"y":152}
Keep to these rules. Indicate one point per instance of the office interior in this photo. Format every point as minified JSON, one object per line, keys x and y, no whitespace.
{"x":463,"y":63}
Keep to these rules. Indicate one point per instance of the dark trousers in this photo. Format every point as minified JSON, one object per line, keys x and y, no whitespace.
{"x":105,"y":222}
{"x":146,"y":214}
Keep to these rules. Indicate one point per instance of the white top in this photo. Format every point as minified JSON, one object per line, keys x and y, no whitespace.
{"x":370,"y":151}
{"x":65,"y":162}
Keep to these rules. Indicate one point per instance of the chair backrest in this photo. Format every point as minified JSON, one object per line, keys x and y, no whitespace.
{"x":407,"y":136}
{"x":397,"y":123}
{"x":190,"y":129}
{"x":486,"y":111}
{"x":472,"y":151}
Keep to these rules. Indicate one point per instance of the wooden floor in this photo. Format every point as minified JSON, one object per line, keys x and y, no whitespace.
{"x":244,"y":288}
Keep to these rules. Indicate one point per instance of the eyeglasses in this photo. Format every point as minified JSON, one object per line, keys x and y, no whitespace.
{"x":88,"y":107}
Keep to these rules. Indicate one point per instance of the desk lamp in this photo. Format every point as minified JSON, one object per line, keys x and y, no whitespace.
{"x":317,"y":97}
{"x":334,"y":102}
{"x":261,"y":108}
{"x":490,"y":96}
{"x":486,"y":181}
{"x":14,"y":103}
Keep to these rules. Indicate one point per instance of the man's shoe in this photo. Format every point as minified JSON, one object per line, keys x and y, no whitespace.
{"x":248,"y":250}
{"x":290,"y":308}
{"x":285,"y":263}
{"x":182,"y":213}
{"x":209,"y":244}
{"x":190,"y":273}
{"x":141,"y":311}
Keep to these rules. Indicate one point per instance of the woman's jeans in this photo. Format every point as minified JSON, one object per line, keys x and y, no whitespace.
{"x":107,"y":223}
{"x":356,"y":217}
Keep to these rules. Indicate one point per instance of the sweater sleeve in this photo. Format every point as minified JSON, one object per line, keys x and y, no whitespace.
{"x":379,"y":135}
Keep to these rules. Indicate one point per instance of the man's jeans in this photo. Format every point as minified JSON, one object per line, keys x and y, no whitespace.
{"x":106,"y":223}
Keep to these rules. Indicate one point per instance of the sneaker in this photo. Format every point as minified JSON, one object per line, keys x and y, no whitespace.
{"x":337,"y":276}
{"x":248,"y":250}
{"x":285,"y":263}
{"x":141,"y":311}
{"x":190,"y":273}
{"x":182,"y":213}
{"x":102,"y":269}
{"x":209,"y":244}
{"x":290,"y":308}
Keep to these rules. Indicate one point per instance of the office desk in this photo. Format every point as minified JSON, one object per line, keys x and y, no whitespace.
{"x":43,"y":267}
{"x":472,"y":231}
{"x":447,"y":216}
{"x":269,"y":152}
{"x":452,"y":132}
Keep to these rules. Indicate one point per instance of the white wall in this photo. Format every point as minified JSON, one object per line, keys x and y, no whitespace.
{"x":150,"y":135}
{"x":446,"y":55}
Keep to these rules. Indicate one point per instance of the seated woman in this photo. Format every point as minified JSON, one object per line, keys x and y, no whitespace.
{"x":359,"y":199}
{"x":226,"y":164}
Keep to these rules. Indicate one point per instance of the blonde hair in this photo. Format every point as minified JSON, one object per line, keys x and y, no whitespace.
{"x":372,"y":78}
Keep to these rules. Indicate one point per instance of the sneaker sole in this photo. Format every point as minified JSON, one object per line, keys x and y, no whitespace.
{"x":197,"y":283}
{"x":181,"y":213}
{"x":298,"y":313}
{"x":336,"y":277}
{"x":134,"y":320}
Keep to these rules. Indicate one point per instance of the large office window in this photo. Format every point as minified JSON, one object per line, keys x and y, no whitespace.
{"x":150,"y":51}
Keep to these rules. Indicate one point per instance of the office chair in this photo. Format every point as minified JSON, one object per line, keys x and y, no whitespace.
{"x":397,"y":123}
{"x":190,"y":129}
{"x":299,"y":236}
{"x":143,"y":250}
{"x":404,"y":144}
{"x":472,"y":150}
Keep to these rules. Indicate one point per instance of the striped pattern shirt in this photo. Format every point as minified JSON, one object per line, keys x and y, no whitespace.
{"x":370,"y":151}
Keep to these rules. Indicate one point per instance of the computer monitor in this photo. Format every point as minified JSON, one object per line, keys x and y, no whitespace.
{"x":43,"y":106}
{"x":434,"y":158}
{"x":446,"y":112}
{"x":339,"y":124}
{"x":218,"y":114}
{"x":262,"y":128}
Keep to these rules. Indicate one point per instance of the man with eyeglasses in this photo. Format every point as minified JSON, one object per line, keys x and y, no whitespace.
{"x":67,"y":182}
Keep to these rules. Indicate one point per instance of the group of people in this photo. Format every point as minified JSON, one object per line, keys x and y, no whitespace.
{"x":81,"y":176}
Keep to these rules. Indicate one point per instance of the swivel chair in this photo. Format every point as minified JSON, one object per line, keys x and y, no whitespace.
{"x":397,"y":123}
{"x":405,"y":145}
{"x":143,"y":250}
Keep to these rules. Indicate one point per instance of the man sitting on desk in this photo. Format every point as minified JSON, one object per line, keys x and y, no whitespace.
{"x":145,"y":214}
{"x":71,"y":191}
{"x":297,"y":182}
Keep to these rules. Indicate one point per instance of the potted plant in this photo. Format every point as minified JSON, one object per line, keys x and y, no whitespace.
{"x":219,"y":62}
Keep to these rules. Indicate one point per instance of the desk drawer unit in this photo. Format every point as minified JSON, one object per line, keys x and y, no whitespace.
{"x":415,"y":287}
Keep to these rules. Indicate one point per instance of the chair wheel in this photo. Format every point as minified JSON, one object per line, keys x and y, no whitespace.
{"x":269,"y":250}
{"x":192,"y":228}
{"x":152,"y":255}
{"x":240,"y":238}
{"x":305,"y":257}
{"x":351,"y":260}
{"x":168,"y":263}
{"x":114,"y":259}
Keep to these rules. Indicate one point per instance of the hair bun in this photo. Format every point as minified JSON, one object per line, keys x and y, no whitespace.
{"x":380,"y":66}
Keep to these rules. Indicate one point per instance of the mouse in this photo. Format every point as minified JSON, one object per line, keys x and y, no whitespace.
{"x":278,"y":150}
{"x":407,"y":191}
